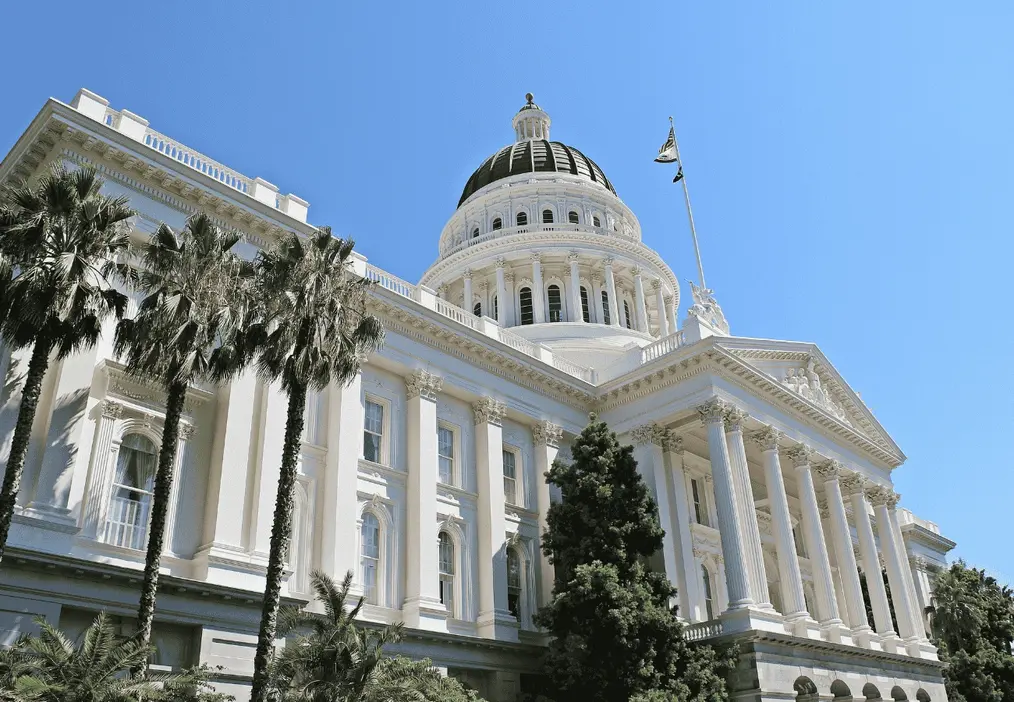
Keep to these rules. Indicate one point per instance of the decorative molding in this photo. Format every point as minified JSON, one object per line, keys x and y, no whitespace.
{"x":489,"y":410}
{"x":423,"y":384}
{"x":767,"y":438}
{"x":545,"y":433}
{"x":800,"y":455}
{"x":111,"y":409}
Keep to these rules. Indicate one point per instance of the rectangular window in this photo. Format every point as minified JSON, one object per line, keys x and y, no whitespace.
{"x":585,"y":312}
{"x":445,"y":455}
{"x":510,"y":477}
{"x":605,"y":308}
{"x":373,"y":432}
{"x":700,"y":510}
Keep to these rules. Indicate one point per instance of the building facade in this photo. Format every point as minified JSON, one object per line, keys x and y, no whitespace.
{"x":424,"y":476}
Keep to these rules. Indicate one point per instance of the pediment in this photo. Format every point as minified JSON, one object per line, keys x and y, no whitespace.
{"x":803,"y":370}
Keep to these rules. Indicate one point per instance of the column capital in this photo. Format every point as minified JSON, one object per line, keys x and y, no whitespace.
{"x":467,"y":273}
{"x":636,"y":271}
{"x":852,"y":483}
{"x":656,"y":285}
{"x":608,"y":261}
{"x":536,"y":257}
{"x":112,"y":409}
{"x":767,"y":438}
{"x":800,"y":455}
{"x":668,"y":299}
{"x":712,"y":411}
{"x":489,"y":410}
{"x":673,"y":443}
{"x":573,"y":257}
{"x":509,"y":276}
{"x":648,"y":434}
{"x":187,"y":431}
{"x":500,"y":262}
{"x":734,"y":418}
{"x":423,"y":384}
{"x":545,"y":433}
{"x":882,"y":495}
{"x":829,"y":470}
{"x":483,"y":286}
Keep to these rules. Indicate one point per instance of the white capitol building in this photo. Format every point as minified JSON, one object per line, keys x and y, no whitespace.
{"x":425,"y":475}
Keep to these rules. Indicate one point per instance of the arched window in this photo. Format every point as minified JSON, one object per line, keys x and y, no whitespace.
{"x":446,"y":565}
{"x":525,"y":299}
{"x":477,"y":309}
{"x":709,"y":600}
{"x":572,"y":217}
{"x":605,"y":308}
{"x":514,"y":583}
{"x":585,"y":311}
{"x":496,"y":310}
{"x":596,"y":221}
{"x":475,"y":233}
{"x":497,"y":224}
{"x":626,"y":315}
{"x":547,"y":216}
{"x":370,"y":558}
{"x":555,"y":303}
{"x":133,"y":485}
{"x":521,"y":219}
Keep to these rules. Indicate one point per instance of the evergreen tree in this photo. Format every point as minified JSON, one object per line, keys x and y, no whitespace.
{"x":615,"y":634}
{"x":973,"y":626}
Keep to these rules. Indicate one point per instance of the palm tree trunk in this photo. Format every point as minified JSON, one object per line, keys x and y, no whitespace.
{"x":22,"y":434}
{"x":160,"y":509}
{"x":281,"y":534}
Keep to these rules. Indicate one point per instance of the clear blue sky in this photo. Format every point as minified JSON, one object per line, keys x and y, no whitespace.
{"x":851,"y":164}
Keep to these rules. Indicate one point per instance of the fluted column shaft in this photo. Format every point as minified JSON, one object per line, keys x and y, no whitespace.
{"x":793,"y":598}
{"x":641,"y":314}
{"x":813,"y":534}
{"x":883,"y":500}
{"x":649,"y":440}
{"x":689,"y":585}
{"x":672,"y":310}
{"x":547,"y":440}
{"x":868,"y":552}
{"x":736,"y":573}
{"x":745,"y":506}
{"x":663,"y":316}
{"x":614,"y":314}
{"x":467,"y":281}
{"x":906,"y":567}
{"x":577,"y":313}
{"x":841,"y":535}
{"x":501,"y":294}
{"x":538,"y":294}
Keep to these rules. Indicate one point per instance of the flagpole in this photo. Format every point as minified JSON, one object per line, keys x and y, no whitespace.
{"x":690,"y":213}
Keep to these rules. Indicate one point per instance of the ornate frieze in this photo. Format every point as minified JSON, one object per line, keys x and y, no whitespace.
{"x":423,"y":384}
{"x":545,"y":433}
{"x":712,"y":411}
{"x":767,"y":438}
{"x":489,"y":410}
{"x":806,"y":382}
{"x":800,"y":455}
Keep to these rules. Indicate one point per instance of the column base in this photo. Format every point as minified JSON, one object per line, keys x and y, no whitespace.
{"x":890,"y":642}
{"x":803,"y":625}
{"x":928,"y":651}
{"x":834,"y":631}
{"x":425,"y":613}
{"x":224,"y":564}
{"x":499,"y":625}
{"x":863,"y":637}
{"x":752,"y":618}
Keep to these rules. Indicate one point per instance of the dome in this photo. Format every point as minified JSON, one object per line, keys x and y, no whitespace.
{"x":534,"y":156}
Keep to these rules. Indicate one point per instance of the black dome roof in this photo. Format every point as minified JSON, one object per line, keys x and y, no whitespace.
{"x":534,"y":156}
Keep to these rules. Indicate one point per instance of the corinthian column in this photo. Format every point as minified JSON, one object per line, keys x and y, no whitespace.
{"x":614,"y":314}
{"x":501,"y":293}
{"x":841,"y":537}
{"x":577,"y":315}
{"x":547,"y":441}
{"x":422,"y":609}
{"x":467,"y":282}
{"x":813,"y":534}
{"x":736,"y":572}
{"x":649,"y":440}
{"x":884,"y":499}
{"x":785,"y":546}
{"x":746,"y":508}
{"x":538,"y":289}
{"x":855,"y":486}
{"x":689,"y":585}
{"x":641,"y":314}
{"x":663,"y":318}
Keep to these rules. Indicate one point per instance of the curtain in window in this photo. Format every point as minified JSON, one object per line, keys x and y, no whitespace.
{"x":130,"y":503}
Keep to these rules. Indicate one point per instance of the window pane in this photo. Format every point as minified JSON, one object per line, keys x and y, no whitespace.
{"x":374,"y":417}
{"x":527,"y":311}
{"x":572,"y":217}
{"x":585,"y":312}
{"x":445,"y":453}
{"x":547,"y":216}
{"x":626,"y":314}
{"x":605,"y":308}
{"x":373,"y":432}
{"x":514,"y":584}
{"x":477,"y":309}
{"x":510,"y":482}
{"x":497,"y":223}
{"x":370,"y":556}
{"x":522,"y":219}
{"x":555,"y":303}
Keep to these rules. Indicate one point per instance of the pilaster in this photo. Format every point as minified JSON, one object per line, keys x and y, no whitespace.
{"x":182,"y":476}
{"x":649,"y":440}
{"x":538,"y":289}
{"x":614,"y":314}
{"x":346,"y":417}
{"x":547,"y":441}
{"x":688,"y":584}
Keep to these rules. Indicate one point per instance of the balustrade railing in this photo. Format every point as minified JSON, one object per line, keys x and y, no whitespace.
{"x":571,"y":368}
{"x":391,"y":282}
{"x":530,"y":228}
{"x":703,"y":630}
{"x":195,"y":160}
{"x":660,"y":348}
{"x":518,"y":342}
{"x":457,"y":314}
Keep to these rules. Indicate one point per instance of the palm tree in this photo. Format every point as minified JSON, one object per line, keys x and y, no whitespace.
{"x":59,"y":245}
{"x":52,"y":668}
{"x":315,"y":331}
{"x":188,"y":327}
{"x":337,"y":660}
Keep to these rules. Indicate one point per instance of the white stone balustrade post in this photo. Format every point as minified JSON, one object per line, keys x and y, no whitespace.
{"x":422,"y":609}
{"x":855,"y":485}
{"x":501,"y":294}
{"x":813,"y":535}
{"x":495,"y":620}
{"x":689,"y":584}
{"x":546,"y":436}
{"x":841,"y":535}
{"x":663,"y":319}
{"x":614,"y":314}
{"x":641,"y":311}
{"x":736,"y":574}
{"x":648,"y":440}
{"x":538,"y":289}
{"x":575,"y":289}
{"x":181,"y":474}
{"x":884,"y":499}
{"x":790,"y":577}
{"x":467,"y":282}
{"x":745,"y":504}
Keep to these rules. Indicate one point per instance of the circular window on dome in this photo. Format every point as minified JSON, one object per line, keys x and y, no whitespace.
{"x":497,"y":224}
{"x":572,"y":217}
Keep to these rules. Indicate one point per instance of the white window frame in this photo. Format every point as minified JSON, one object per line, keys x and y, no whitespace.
{"x":104,"y":526}
{"x":708,"y":595}
{"x":378,"y":599}
{"x":700,"y":504}
{"x":455,"y":480}
{"x":451,"y":578}
{"x":385,"y":428}
{"x":519,"y":554}
{"x":519,"y":486}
